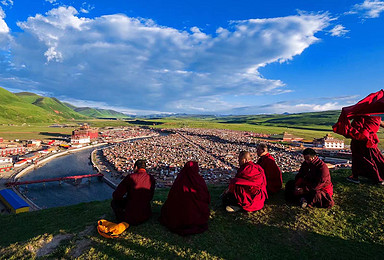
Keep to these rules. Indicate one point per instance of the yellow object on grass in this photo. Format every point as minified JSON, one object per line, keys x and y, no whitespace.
{"x":109,"y":229}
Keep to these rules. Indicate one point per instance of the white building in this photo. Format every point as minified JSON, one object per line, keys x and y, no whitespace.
{"x":329,"y":142}
{"x":79,"y":141}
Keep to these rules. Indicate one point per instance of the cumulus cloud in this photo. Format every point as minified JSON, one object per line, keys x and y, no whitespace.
{"x":368,"y":9}
{"x":338,"y":31}
{"x":4,"y":31}
{"x":136,"y":63}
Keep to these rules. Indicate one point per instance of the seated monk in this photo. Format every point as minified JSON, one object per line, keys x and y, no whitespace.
{"x":271,"y":170}
{"x":312,"y":185}
{"x":186,"y":210}
{"x":131,"y":201}
{"x":247,"y":190}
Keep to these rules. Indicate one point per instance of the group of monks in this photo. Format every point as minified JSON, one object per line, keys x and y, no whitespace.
{"x":186,"y":210}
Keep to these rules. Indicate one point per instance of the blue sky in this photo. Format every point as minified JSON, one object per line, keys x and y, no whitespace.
{"x":206,"y":57}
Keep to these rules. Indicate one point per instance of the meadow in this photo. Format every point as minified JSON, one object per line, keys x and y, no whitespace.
{"x":352,"y":229}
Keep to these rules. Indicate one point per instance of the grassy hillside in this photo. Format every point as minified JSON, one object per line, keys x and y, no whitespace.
{"x":51,"y":105}
{"x":315,"y":119}
{"x":15,"y":110}
{"x":352,"y":229}
{"x":99,"y":113}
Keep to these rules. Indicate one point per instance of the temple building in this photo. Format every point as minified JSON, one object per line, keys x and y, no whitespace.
{"x":85,"y":130}
{"x":328,"y":142}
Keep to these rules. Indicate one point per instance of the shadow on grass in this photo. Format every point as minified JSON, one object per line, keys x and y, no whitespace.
{"x":349,"y":230}
{"x":143,"y":122}
{"x":55,"y":135}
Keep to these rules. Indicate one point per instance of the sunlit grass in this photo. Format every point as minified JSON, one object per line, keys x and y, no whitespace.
{"x":353,"y":228}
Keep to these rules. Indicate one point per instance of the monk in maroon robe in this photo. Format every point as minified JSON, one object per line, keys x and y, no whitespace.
{"x":367,"y":160}
{"x":132,"y":198}
{"x":271,"y":170}
{"x":247,"y":190}
{"x":186,"y":210}
{"x":312,"y":185}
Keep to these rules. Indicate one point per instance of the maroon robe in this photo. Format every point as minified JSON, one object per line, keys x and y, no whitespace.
{"x":132,"y":198}
{"x":315,"y":180}
{"x":272,"y":173}
{"x":367,"y":160}
{"x":249,"y":187}
{"x":373,"y":104}
{"x":186,"y":210}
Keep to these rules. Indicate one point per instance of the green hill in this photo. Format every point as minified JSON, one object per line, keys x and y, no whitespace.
{"x":15,"y":110}
{"x":52,"y":105}
{"x":352,"y":229}
{"x":100,"y":113}
{"x":324,"y":118}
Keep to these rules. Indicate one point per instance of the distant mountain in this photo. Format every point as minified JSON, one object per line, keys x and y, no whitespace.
{"x":69,"y":105}
{"x":52,"y":105}
{"x":14,"y":109}
{"x":100,"y":113}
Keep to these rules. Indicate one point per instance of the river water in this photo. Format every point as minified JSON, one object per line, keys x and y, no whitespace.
{"x":54,"y":194}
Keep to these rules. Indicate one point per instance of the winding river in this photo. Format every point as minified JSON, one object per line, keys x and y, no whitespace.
{"x":54,"y":194}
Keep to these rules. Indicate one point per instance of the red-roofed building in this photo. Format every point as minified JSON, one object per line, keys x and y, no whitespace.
{"x":85,"y":130}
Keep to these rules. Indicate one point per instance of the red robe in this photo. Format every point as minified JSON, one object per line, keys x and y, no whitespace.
{"x":249,"y":187}
{"x":134,"y":194}
{"x":315,"y":180}
{"x":367,"y":160}
{"x":186,"y":210}
{"x":370,"y":105}
{"x":272,"y":173}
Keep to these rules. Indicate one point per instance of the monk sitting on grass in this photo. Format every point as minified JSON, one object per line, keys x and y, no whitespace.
{"x":132,"y":198}
{"x":186,"y":210}
{"x":271,"y":170}
{"x":247,"y":190}
{"x":312,"y":185}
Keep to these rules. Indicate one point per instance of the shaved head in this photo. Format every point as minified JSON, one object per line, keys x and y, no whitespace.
{"x":262,"y":149}
{"x":244,"y":157}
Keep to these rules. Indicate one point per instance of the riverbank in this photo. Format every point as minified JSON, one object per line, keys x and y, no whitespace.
{"x":111,"y":176}
{"x":16,"y":174}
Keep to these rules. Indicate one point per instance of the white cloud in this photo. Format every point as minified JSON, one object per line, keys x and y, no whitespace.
{"x":285,"y":107}
{"x":369,"y":8}
{"x":4,"y":31}
{"x":136,"y":63}
{"x":86,"y":8}
{"x":7,"y":2}
{"x":3,"y":25}
{"x":338,"y":31}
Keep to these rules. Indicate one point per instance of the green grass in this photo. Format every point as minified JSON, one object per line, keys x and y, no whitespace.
{"x":99,"y":113}
{"x":42,"y":131}
{"x":51,"y":105}
{"x":352,"y":229}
